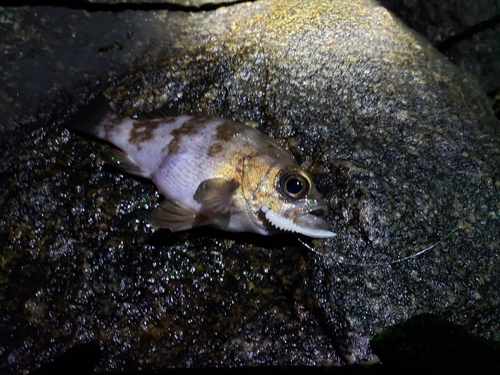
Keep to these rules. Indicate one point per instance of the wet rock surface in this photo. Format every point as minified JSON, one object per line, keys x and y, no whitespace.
{"x":402,"y":144}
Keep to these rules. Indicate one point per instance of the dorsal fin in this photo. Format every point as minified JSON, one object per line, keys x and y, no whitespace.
{"x":162,"y":112}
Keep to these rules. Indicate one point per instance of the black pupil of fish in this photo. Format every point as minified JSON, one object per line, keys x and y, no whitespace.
{"x":294,"y":186}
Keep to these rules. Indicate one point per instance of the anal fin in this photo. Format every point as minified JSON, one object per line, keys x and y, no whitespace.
{"x":173,"y":215}
{"x":124,"y":162}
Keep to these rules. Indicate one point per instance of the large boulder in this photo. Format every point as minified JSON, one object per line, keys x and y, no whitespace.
{"x":402,"y":144}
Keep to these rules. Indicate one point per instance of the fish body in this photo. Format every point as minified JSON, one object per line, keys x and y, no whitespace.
{"x":212,"y":171}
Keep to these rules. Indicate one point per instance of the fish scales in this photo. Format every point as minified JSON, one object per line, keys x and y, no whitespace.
{"x":212,"y":171}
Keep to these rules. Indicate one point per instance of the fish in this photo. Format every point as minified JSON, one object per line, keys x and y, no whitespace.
{"x":211,"y":171}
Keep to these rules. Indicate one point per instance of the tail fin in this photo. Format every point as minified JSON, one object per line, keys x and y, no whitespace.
{"x":89,"y":118}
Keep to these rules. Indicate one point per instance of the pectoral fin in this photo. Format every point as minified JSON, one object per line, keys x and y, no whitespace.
{"x":215,"y":195}
{"x":175,"y":216}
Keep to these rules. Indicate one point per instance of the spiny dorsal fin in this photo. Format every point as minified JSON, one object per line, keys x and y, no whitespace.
{"x":162,"y":112}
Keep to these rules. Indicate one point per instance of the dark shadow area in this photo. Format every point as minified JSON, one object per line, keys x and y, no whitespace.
{"x":496,"y":104}
{"x":467,"y":33}
{"x":57,"y":367}
{"x":99,"y":7}
{"x":165,"y":237}
{"x":430,"y":343}
{"x":79,"y":360}
{"x":424,"y":343}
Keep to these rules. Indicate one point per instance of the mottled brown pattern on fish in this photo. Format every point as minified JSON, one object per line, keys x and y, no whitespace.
{"x":142,"y":131}
{"x":226,"y":131}
{"x":190,"y":127}
{"x":215,"y":149}
{"x":111,"y":125}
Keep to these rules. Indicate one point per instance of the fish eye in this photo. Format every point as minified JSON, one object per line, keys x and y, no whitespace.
{"x":295,"y":184}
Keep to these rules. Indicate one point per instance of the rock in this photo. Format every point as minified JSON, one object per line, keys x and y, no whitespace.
{"x":401,"y":142}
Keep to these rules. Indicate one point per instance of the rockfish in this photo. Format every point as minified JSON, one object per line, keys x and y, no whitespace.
{"x":211,"y":171}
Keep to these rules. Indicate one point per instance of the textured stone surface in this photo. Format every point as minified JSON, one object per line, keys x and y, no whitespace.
{"x":49,"y":51}
{"x":402,"y":144}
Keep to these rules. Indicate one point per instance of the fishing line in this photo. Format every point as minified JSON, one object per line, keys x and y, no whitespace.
{"x":386,"y":263}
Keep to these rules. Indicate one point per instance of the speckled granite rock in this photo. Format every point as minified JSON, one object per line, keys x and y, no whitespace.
{"x":401,"y":143}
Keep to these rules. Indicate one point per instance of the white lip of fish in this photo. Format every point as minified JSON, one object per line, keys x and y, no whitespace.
{"x":282,"y":223}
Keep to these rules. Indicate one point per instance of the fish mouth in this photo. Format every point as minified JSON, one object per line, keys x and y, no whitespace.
{"x":306,"y":220}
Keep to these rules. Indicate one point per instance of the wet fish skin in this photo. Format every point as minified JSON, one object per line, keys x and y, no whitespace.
{"x":212,"y":171}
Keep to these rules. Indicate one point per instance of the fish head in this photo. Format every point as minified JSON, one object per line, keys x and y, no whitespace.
{"x":281,"y":196}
